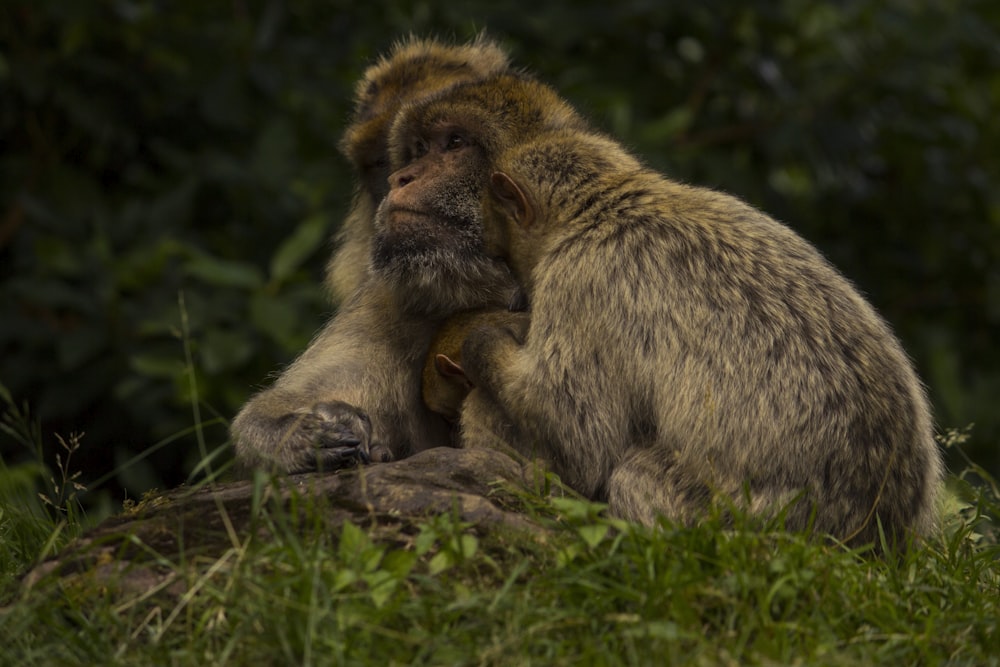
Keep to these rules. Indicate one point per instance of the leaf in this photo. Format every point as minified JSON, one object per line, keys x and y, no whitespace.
{"x":566,"y":556}
{"x":468,"y":545}
{"x":425,"y":540}
{"x":665,"y":630}
{"x":343,"y":578}
{"x":156,"y":367}
{"x":224,"y":273}
{"x":352,"y":541}
{"x":372,"y":558}
{"x":86,"y":343}
{"x":668,"y":126}
{"x":221,"y":350}
{"x":277,"y":317}
{"x":274,"y":154}
{"x":593,"y":534}
{"x":381,"y":586}
{"x":440,"y":562}
{"x":574,"y":508}
{"x":304,"y":241}
{"x":399,"y":563}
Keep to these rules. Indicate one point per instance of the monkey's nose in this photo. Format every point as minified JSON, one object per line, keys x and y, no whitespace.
{"x":398,"y":180}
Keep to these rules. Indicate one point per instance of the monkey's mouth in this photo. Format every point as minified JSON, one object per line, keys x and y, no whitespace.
{"x":403,"y":219}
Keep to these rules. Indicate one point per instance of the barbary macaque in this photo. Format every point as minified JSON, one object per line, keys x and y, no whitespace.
{"x":683,"y":346}
{"x":354,"y":394}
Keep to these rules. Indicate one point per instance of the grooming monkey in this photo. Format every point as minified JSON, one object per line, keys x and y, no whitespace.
{"x":682,"y":344}
{"x":355,"y":391}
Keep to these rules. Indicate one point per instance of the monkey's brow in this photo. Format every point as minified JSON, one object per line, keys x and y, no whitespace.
{"x":443,"y":124}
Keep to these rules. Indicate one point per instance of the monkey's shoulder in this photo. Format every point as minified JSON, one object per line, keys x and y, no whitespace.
{"x":651,"y":206}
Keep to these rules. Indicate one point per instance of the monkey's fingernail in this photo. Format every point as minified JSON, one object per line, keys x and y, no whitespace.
{"x":342,"y":442}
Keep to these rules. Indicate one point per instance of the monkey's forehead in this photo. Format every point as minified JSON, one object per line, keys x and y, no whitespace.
{"x":499,"y":111}
{"x":423,"y":65}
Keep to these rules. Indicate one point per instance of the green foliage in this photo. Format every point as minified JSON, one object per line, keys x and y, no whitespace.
{"x":582,"y":589}
{"x":159,"y":149}
{"x":36,"y":504}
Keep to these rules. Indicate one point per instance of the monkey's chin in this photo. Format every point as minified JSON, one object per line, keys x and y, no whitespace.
{"x":405,"y":223}
{"x":429,"y":281}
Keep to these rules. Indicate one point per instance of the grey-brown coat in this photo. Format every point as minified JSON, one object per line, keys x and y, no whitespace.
{"x":684,"y":345}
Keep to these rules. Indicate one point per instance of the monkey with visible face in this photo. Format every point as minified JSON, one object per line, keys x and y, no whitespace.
{"x":354,"y":393}
{"x":682,"y":344}
{"x":415,"y":68}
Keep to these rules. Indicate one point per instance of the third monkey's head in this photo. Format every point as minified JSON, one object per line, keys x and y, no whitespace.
{"x":429,"y":229}
{"x":413,"y":69}
{"x":542,"y":188}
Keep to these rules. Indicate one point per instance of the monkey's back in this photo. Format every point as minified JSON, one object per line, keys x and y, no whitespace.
{"x":725,"y":345}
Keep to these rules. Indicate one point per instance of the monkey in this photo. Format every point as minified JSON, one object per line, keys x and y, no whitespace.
{"x":683,"y":346}
{"x":354,"y":393}
{"x":414,"y":68}
{"x":445,"y":384}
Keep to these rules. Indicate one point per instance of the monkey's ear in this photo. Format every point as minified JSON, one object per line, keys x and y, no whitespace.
{"x":451,"y":371}
{"x":513,"y":198}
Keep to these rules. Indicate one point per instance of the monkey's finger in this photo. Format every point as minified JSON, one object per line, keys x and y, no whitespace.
{"x":340,"y":441}
{"x":342,"y":457}
{"x":341,"y":435}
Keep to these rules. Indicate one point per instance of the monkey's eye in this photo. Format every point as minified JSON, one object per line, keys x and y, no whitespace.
{"x":418,"y":149}
{"x":454,"y":142}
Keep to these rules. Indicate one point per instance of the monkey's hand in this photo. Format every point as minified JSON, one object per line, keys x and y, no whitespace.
{"x":330,"y":436}
{"x":487,"y":349}
{"x":516,"y":324}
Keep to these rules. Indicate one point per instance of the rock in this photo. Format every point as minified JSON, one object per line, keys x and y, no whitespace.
{"x":137,"y":550}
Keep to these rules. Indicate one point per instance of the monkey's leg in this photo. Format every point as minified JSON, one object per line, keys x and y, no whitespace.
{"x":648,"y":483}
{"x":484,"y":425}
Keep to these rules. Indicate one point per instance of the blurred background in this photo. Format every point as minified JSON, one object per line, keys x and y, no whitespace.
{"x":169,"y":183}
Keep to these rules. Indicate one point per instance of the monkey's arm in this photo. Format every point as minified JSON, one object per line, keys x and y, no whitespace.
{"x":488,"y":352}
{"x":492,"y":359}
{"x":484,"y":422}
{"x":353,"y":394}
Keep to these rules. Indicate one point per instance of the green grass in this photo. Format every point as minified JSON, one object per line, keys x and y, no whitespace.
{"x":581,"y":590}
{"x":585,"y":590}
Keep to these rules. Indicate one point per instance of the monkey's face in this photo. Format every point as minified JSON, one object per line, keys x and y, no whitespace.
{"x":431,"y":244}
{"x":438,"y":191}
{"x":429,"y":240}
